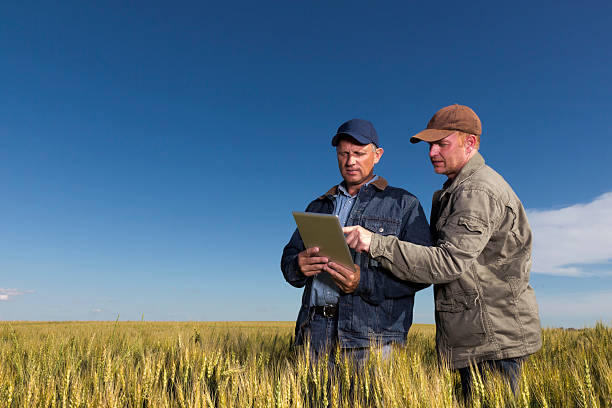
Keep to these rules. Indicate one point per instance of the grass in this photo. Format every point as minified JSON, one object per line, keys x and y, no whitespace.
{"x":252,"y":364}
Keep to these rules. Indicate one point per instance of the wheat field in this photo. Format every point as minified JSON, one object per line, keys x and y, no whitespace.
{"x":252,"y":364}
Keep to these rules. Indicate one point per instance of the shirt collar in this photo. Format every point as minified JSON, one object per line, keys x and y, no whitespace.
{"x":342,"y":188}
{"x":379,"y":182}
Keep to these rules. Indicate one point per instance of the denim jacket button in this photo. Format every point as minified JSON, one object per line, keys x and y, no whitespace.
{"x":381,"y":229}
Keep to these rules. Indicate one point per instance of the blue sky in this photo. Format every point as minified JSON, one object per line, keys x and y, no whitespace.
{"x":151,"y":154}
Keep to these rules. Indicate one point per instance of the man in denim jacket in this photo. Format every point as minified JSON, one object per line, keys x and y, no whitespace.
{"x":339,"y":306}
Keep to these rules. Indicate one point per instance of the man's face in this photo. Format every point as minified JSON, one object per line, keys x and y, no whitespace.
{"x":356,"y":162}
{"x":448,"y":155}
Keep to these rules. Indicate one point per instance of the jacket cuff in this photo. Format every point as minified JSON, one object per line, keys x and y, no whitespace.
{"x":295,"y":276}
{"x":379,"y":246}
{"x":362,"y":286}
{"x":365,"y":289}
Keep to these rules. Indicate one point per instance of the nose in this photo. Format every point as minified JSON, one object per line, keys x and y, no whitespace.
{"x":433,"y":150}
{"x":350,"y":160}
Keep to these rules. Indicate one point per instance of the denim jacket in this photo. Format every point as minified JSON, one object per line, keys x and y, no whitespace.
{"x":380,"y":309}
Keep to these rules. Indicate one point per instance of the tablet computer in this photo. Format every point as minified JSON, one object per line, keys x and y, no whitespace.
{"x":324,"y":231}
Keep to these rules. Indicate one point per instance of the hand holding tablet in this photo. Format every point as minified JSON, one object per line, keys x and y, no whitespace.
{"x":324,"y":231}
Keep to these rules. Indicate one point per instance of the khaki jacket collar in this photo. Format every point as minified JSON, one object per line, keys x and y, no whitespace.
{"x":474,"y":164}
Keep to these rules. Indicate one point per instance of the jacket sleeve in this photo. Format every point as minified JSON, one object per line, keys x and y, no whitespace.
{"x":289,"y":264}
{"x":461,"y":239}
{"x":377,"y":283}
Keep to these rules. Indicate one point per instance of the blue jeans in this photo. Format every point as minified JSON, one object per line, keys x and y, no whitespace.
{"x":323,"y":332}
{"x":509,"y":368}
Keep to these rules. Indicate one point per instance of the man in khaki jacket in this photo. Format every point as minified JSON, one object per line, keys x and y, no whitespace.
{"x":486,"y":311}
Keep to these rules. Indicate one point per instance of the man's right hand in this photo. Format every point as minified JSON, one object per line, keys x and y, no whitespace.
{"x":310,"y":263}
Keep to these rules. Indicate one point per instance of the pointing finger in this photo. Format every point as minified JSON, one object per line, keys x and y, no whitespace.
{"x":348,"y":230}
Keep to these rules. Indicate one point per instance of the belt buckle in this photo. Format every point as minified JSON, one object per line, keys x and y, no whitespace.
{"x":329,"y":311}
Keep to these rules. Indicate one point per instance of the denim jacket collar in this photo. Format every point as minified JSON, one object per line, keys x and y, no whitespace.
{"x":380,"y":183}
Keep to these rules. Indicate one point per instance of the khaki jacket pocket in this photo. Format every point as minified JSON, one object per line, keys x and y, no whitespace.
{"x":461,"y":319}
{"x":471,"y":234}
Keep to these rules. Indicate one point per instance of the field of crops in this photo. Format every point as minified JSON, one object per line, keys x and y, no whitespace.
{"x":252,"y":364}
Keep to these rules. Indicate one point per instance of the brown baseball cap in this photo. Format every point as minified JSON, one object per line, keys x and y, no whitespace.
{"x":448,"y":120}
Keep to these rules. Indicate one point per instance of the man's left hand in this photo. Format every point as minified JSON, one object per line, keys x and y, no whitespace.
{"x":346,"y":279}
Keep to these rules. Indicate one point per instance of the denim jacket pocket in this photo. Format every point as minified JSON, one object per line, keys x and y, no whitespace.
{"x":382,"y":226}
{"x":461,"y":319}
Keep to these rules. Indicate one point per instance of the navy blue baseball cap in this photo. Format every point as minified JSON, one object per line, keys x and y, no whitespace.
{"x":361,"y":130}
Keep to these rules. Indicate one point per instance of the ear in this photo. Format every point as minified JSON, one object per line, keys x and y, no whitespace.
{"x":378,"y":154}
{"x":470,"y":143}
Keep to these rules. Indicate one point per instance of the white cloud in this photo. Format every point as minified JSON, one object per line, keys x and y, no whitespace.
{"x":567,"y":240}
{"x":96,"y":310}
{"x":8,"y":294}
{"x":576,"y":309}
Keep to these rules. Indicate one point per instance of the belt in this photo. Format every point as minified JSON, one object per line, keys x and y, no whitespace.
{"x":326,"y":311}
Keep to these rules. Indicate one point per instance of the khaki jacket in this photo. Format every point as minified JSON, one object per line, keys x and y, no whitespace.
{"x":485,"y":307}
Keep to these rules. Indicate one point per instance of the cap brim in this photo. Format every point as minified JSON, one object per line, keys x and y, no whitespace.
{"x":360,"y":139}
{"x":431,"y":135}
